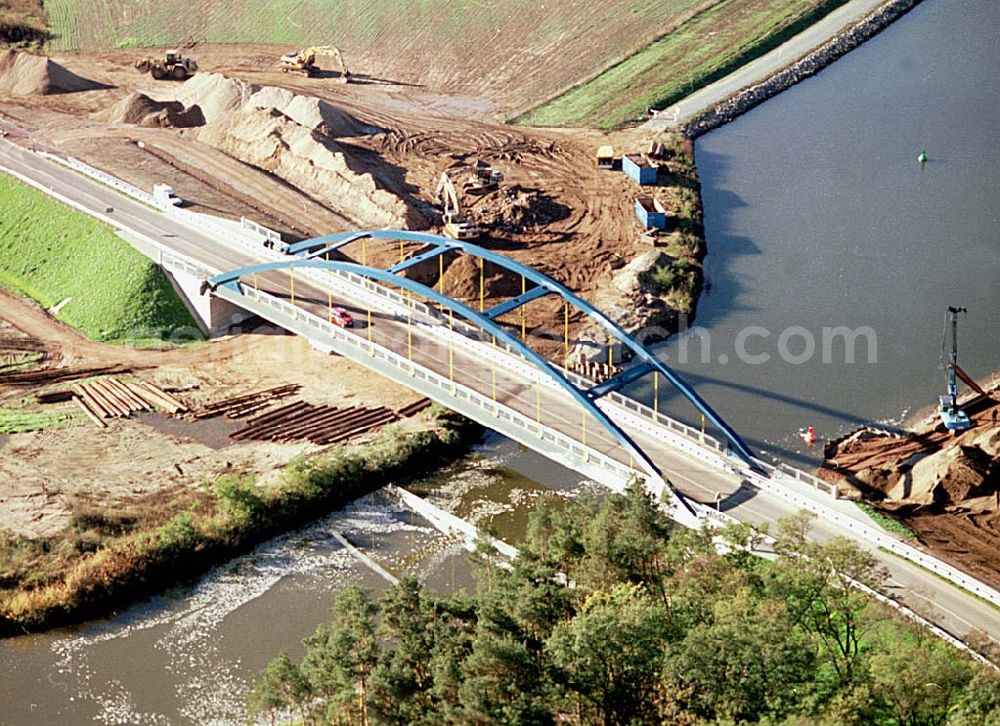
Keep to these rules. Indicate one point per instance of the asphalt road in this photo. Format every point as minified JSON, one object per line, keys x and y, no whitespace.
{"x":936,"y":599}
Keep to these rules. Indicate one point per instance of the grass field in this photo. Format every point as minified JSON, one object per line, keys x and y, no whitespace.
{"x":709,"y":46}
{"x":13,"y":421}
{"x":620,"y":56}
{"x":52,"y":253}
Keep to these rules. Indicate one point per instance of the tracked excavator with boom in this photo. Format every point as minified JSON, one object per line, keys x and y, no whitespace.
{"x":304,"y":61}
{"x":455,"y":225}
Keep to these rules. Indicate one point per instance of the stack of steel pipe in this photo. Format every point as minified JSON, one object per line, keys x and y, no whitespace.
{"x":244,"y":405}
{"x":414,"y":408}
{"x":301,"y":421}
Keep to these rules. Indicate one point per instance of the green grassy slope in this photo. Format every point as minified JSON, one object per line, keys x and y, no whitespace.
{"x":50,"y":253}
{"x":711,"y":45}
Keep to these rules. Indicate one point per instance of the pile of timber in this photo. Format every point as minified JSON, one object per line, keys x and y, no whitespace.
{"x":111,"y":398}
{"x":57,"y":375}
{"x":414,"y":408}
{"x":242,"y":406}
{"x":301,"y":421}
{"x":20,"y":342}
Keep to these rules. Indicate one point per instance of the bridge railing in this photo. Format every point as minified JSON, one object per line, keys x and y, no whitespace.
{"x":102,"y":176}
{"x":670,"y":430}
{"x":366,"y":351}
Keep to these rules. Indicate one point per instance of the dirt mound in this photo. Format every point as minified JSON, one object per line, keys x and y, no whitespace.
{"x":461,"y":281}
{"x":517,"y":209}
{"x":217,"y":95}
{"x":269,"y":140}
{"x":955,"y":472}
{"x":308,"y":111}
{"x":141,"y":110}
{"x":24,"y":74}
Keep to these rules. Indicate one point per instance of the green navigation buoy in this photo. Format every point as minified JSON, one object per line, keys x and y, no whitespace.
{"x":923,"y":157}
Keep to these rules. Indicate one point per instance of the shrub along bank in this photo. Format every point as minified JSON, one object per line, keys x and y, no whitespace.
{"x":660,"y":627}
{"x":111,"y":556}
{"x":108,"y":291}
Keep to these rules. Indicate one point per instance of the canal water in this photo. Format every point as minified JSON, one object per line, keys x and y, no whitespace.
{"x":818,"y":215}
{"x":191,"y":655}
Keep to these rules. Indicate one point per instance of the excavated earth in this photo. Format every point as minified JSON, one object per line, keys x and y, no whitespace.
{"x":945,"y":488}
{"x":305,"y":156}
{"x":309,"y":156}
{"x":24,"y":74}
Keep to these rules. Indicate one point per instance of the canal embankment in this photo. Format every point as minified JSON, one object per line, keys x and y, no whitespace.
{"x":840,"y":44}
{"x":225,"y":518}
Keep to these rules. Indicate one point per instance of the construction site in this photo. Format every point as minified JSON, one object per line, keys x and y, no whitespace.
{"x":309,"y":142}
{"x":120,"y":426}
{"x":943,"y":487}
{"x":301,"y":144}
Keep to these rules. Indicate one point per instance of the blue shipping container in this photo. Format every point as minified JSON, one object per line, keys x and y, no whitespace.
{"x":639,"y":168}
{"x":651,"y":213}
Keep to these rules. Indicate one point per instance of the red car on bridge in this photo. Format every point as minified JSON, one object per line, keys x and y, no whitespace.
{"x":339,"y":316}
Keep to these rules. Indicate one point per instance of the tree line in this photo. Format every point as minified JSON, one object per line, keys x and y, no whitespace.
{"x":615,"y":615}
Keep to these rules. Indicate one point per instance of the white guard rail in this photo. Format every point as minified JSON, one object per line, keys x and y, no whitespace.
{"x":619,"y":472}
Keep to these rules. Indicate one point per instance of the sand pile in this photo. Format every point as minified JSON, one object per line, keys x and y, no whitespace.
{"x":959,"y":474}
{"x":270,"y":140}
{"x":308,"y":111}
{"x":216,"y":95}
{"x":24,"y":74}
{"x":220,"y":96}
{"x":141,"y":110}
{"x":954,"y":475}
{"x":461,"y":280}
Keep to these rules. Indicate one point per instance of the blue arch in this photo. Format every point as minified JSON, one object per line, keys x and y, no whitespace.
{"x":644,"y":356}
{"x":231,"y":280}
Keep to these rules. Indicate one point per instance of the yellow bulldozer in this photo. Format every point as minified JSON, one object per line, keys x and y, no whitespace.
{"x":304,"y":61}
{"x":455,"y":224}
{"x":173,"y":66}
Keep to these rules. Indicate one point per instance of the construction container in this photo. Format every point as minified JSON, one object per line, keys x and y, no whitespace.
{"x":651,"y":212}
{"x":606,"y":157}
{"x":640,"y":168}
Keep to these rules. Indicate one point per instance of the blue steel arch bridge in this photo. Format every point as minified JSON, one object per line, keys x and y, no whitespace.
{"x":440,"y":314}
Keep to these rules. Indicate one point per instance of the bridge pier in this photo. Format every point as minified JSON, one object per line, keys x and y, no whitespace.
{"x":213,"y":315}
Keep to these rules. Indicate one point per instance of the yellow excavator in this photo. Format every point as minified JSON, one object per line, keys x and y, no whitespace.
{"x":304,"y":61}
{"x":455,"y":224}
{"x":173,"y":66}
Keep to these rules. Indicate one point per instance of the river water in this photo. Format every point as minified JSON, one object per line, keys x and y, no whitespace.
{"x":191,"y":655}
{"x":817,"y":215}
